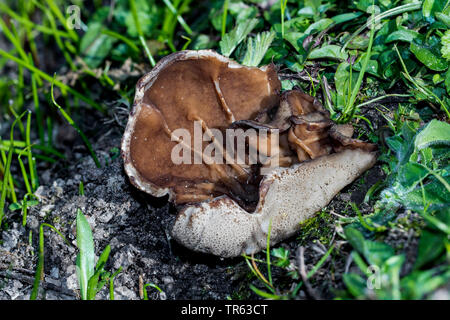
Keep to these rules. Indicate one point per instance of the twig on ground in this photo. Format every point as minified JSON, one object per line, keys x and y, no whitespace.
{"x":46,"y":284}
{"x":301,"y":266}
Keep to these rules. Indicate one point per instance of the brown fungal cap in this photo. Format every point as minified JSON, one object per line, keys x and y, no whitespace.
{"x":228,"y":206}
{"x":185,"y":87}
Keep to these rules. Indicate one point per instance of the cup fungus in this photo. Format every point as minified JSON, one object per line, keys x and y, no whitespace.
{"x":228,"y":199}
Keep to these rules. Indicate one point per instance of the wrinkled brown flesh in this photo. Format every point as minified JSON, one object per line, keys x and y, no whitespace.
{"x":207,"y":90}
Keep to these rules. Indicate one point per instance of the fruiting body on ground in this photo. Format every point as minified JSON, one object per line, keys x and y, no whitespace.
{"x":228,"y":200}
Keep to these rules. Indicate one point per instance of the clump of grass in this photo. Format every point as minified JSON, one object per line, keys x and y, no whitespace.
{"x":91,"y":276}
{"x":77,"y":128}
{"x":6,"y":172}
{"x":349,"y":110}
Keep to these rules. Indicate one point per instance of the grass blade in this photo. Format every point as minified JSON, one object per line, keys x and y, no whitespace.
{"x":40,"y":265}
{"x":7,"y":173}
{"x":73,"y":124}
{"x":50,"y":79}
{"x":179,"y":17}
{"x":86,"y":257}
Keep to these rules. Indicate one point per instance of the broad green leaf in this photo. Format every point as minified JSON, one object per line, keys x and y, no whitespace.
{"x":419,"y":283}
{"x":202,"y":41}
{"x":294,"y":63}
{"x":411,"y":174}
{"x":355,"y":284}
{"x":403,"y":35}
{"x":95,"y":46}
{"x":341,"y":18}
{"x":86,"y":257}
{"x":149,"y":15}
{"x":360,"y":42}
{"x":296,"y":40}
{"x":433,"y":193}
{"x":430,"y":7}
{"x":19,"y":205}
{"x":342,"y":82}
{"x":355,"y":238}
{"x":232,"y":39}
{"x":319,"y":26}
{"x":431,"y":246}
{"x":434,"y":133}
{"x":242,"y":11}
{"x":376,"y":253}
{"x":392,"y":268}
{"x":328,"y":52}
{"x":444,"y":18}
{"x":372,"y":65}
{"x":445,"y":40}
{"x":429,"y":56}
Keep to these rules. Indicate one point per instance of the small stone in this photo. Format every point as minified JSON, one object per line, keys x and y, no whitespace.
{"x":54,"y":273}
{"x":123,"y":293}
{"x":168,"y":280}
{"x":72,"y":281}
{"x":346,"y":197}
{"x":10,"y":239}
{"x":46,"y":209}
{"x":13,"y":289}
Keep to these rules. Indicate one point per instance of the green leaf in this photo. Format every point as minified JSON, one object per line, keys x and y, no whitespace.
{"x":342,"y":81}
{"x":359,"y":42}
{"x":411,"y":174}
{"x":94,"y":285}
{"x":264,"y":294}
{"x":355,"y":238}
{"x":403,"y":35}
{"x":419,"y":283}
{"x":282,"y":256}
{"x":392,"y":268}
{"x":257,"y":48}
{"x":149,"y":15}
{"x":433,"y":194}
{"x":95,"y":46}
{"x":341,"y":18}
{"x":447,"y":81}
{"x":434,"y":133}
{"x":232,"y":39}
{"x":296,"y":40}
{"x":445,"y":40}
{"x":103,"y":257}
{"x":375,"y":252}
{"x":430,"y":7}
{"x":431,"y":246}
{"x":444,"y":18}
{"x":319,"y":26}
{"x":86,"y":257}
{"x":355,"y":284}
{"x":328,"y":52}
{"x":19,"y":205}
{"x":428,"y":56}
